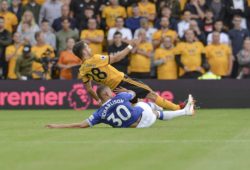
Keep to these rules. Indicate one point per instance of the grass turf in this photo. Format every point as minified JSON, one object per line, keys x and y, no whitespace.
{"x":212,"y":140}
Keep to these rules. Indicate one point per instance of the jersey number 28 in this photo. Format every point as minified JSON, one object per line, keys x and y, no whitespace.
{"x":97,"y":74}
{"x":121,"y":116}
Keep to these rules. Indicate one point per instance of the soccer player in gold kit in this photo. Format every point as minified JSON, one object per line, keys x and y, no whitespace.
{"x":97,"y":67}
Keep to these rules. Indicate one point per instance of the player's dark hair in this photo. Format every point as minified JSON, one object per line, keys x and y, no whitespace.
{"x":2,"y":18}
{"x":100,"y":90}
{"x":77,"y":49}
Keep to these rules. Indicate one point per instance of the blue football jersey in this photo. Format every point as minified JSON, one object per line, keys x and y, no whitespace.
{"x":117,"y":112}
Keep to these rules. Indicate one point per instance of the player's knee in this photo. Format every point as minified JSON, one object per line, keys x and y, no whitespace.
{"x":156,"y":113}
{"x":152,"y":96}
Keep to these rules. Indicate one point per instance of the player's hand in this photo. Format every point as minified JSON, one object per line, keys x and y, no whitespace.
{"x":51,"y":126}
{"x":120,"y":89}
{"x":99,"y":103}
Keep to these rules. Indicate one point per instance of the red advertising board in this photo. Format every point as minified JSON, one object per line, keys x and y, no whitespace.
{"x":58,"y":94}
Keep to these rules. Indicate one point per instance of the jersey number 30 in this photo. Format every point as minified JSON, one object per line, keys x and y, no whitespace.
{"x":121,"y":116}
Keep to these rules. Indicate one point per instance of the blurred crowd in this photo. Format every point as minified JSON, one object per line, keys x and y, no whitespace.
{"x":198,"y":39}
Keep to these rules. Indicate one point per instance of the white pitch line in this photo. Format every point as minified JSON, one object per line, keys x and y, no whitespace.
{"x":129,"y":141}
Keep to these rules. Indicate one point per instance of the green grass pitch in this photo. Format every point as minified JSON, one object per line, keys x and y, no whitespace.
{"x":211,"y":140}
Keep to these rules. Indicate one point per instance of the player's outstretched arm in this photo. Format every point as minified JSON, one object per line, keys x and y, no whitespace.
{"x":83,"y":124}
{"x":93,"y":94}
{"x":122,"y":54}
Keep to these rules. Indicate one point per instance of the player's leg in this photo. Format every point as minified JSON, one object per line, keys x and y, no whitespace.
{"x":148,"y":117}
{"x":144,"y":91}
{"x":155,"y":106}
{"x":160,"y":101}
{"x":188,"y":110}
{"x":149,"y":114}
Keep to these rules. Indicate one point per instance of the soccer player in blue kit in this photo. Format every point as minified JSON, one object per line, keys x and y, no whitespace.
{"x":118,"y":112}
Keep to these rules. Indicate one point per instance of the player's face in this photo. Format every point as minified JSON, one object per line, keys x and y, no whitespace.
{"x":109,"y":92}
{"x":87,"y":51}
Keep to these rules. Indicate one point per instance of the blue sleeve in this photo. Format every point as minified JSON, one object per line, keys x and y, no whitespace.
{"x":94,"y":119}
{"x":126,"y":96}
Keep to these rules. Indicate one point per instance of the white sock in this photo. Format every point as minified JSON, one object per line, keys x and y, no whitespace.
{"x":168,"y":115}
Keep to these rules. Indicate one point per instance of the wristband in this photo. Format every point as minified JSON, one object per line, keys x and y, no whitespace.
{"x":130,"y":47}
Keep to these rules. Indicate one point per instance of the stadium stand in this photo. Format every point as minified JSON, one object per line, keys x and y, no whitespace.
{"x":220,"y":28}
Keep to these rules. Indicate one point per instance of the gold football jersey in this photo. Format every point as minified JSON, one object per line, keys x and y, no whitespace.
{"x":98,"y":69}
